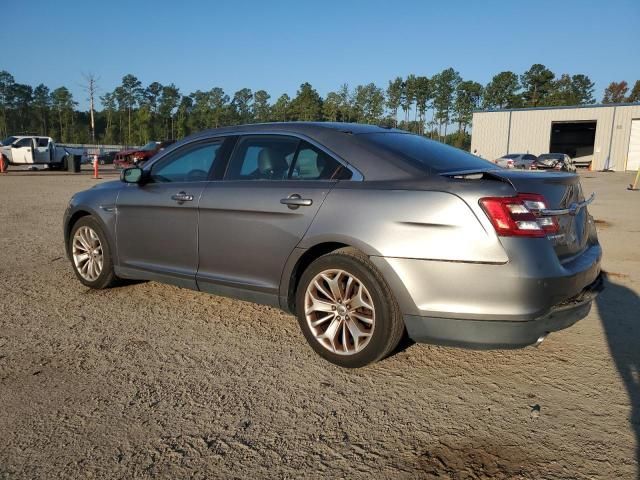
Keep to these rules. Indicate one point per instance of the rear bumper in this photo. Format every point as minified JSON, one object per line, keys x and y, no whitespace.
{"x":487,"y":334}
{"x":521,"y":290}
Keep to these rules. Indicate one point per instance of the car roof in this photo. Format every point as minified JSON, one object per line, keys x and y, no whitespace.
{"x":28,"y":136}
{"x":304,"y":128}
{"x":347,"y":141}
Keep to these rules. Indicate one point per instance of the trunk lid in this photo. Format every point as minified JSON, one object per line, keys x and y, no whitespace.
{"x":563,"y":192}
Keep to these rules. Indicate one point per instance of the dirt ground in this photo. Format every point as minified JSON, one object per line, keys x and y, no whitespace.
{"x":149,"y":380}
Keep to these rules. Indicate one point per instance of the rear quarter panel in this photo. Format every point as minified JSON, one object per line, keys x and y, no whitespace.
{"x":428,"y":225}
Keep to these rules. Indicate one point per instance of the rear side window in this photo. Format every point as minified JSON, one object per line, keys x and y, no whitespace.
{"x":43,"y":142}
{"x":262,"y":157}
{"x":311,"y":163}
{"x":428,"y":155}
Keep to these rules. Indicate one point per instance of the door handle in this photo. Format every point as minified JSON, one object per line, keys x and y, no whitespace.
{"x":182,"y":197}
{"x":294,"y":201}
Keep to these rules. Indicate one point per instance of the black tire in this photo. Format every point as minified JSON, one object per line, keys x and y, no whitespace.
{"x":107,"y":277}
{"x":389,"y":325}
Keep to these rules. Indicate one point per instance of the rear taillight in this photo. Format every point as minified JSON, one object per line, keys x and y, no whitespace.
{"x":519,"y":215}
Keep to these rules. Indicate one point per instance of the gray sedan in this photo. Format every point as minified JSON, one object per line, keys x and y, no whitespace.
{"x":366,"y":234}
{"x":516,"y":160}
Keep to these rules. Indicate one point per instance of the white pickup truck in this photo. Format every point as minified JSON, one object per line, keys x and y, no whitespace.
{"x":32,"y":151}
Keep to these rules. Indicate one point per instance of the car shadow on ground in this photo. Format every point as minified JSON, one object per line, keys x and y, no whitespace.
{"x":619,"y":309}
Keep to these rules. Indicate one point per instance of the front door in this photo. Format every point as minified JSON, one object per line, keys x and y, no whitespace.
{"x":251,"y":221}
{"x":157,"y":222}
{"x":22,"y":151}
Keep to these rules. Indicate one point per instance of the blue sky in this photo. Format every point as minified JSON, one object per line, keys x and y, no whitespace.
{"x":277,"y":45}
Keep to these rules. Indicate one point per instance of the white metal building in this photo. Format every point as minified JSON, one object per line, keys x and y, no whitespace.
{"x":607,"y":135}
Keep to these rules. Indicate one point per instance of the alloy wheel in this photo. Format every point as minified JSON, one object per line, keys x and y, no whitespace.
{"x":339,"y":311}
{"x":88,"y":256}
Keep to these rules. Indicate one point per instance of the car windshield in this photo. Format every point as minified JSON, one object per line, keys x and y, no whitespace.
{"x":428,"y":154}
{"x":9,"y":140}
{"x":551,"y":156}
{"x":150,"y":146}
{"x":511,"y":155}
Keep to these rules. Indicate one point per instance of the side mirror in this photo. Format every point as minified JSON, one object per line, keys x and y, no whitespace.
{"x":131,"y":175}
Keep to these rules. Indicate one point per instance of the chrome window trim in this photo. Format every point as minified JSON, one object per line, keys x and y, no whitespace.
{"x":356,"y":175}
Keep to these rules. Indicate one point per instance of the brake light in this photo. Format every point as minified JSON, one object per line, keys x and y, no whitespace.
{"x":519,"y":215}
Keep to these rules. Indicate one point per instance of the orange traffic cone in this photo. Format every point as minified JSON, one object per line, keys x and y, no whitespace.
{"x":95,"y":168}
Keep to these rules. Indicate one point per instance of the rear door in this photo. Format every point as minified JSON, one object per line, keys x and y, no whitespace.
{"x":157,"y":222}
{"x":251,"y":221}
{"x":41,"y":152}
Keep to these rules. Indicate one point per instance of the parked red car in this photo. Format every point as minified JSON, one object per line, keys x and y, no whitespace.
{"x":137,"y":156}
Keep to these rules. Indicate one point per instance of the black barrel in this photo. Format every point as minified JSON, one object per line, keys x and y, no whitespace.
{"x":73,"y":163}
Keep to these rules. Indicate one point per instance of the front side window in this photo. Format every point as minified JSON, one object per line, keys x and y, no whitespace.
{"x":262,"y":158}
{"x":191,"y":164}
{"x":23,"y":142}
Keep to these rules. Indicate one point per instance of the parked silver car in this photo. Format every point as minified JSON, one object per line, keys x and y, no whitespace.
{"x":516,"y":160}
{"x":364,"y":233}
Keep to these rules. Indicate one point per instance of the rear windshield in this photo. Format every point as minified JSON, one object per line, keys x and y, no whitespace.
{"x":150,"y":146}
{"x":426,"y":154}
{"x":553,"y":156}
{"x":511,"y":155}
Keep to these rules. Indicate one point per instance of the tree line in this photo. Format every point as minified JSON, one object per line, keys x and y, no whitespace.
{"x":440,"y":106}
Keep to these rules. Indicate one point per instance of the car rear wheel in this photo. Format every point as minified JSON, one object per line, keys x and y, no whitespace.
{"x":346,"y":311}
{"x":91,"y":254}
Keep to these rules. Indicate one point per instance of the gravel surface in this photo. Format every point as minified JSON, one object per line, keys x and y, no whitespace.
{"x":149,"y":380}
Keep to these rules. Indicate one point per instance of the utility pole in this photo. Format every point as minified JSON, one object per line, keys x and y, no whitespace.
{"x":91,"y":87}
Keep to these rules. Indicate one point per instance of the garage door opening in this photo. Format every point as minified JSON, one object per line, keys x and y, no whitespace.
{"x":576,"y":139}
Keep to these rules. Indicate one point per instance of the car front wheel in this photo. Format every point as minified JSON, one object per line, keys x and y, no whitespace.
{"x":90,"y":254}
{"x":346,"y":311}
